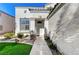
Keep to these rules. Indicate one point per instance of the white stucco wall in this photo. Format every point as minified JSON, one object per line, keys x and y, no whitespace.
{"x":46,"y":26}
{"x":17,"y":26}
{"x":7,"y":22}
{"x":32,"y":25}
{"x":64,"y":29}
{"x":20,"y":13}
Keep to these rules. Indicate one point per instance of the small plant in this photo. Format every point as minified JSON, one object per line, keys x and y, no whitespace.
{"x":32,"y":35}
{"x":20,"y":35}
{"x":9,"y":35}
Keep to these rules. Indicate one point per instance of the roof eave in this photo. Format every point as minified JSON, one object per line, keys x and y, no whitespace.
{"x":54,"y":10}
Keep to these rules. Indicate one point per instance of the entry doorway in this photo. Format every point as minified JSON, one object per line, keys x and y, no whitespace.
{"x":38,"y":25}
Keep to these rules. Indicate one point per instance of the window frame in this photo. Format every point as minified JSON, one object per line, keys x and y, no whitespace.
{"x":25,"y":24}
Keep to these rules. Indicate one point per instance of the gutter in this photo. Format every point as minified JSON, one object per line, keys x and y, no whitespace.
{"x":55,"y":9}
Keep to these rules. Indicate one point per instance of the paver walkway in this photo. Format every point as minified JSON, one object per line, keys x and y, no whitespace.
{"x":40,"y":47}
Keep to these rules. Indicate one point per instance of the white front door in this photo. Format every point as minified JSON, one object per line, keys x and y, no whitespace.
{"x":39,"y":25}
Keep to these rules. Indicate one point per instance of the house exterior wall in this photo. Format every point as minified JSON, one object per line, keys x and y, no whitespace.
{"x":46,"y":26}
{"x":32,"y":27}
{"x":64,"y":29}
{"x":32,"y":16}
{"x":7,"y":22}
{"x":19,"y":11}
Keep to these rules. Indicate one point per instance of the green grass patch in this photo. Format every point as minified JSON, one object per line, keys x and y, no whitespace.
{"x":15,"y":49}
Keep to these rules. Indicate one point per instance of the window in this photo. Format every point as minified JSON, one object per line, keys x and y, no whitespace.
{"x":24,"y":24}
{"x":1,"y":27}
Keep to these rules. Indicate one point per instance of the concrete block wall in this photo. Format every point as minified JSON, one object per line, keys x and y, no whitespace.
{"x":64,"y":29}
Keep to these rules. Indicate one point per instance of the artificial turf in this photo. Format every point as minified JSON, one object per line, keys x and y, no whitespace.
{"x":15,"y":49}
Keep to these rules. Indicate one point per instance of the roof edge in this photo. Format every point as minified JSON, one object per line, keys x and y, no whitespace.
{"x":55,"y":9}
{"x":6,"y":13}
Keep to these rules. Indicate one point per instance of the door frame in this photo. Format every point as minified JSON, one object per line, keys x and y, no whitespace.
{"x":39,"y":24}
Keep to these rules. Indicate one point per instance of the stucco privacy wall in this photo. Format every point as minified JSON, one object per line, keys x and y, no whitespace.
{"x":64,"y":29}
{"x":7,"y":22}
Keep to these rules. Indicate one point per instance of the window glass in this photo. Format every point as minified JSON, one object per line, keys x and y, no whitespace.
{"x":24,"y":24}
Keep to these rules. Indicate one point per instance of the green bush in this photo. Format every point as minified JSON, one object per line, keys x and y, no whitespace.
{"x":26,"y":35}
{"x":20,"y":35}
{"x":9,"y":35}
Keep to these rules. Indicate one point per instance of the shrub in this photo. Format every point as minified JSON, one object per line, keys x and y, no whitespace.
{"x":33,"y":37}
{"x":20,"y":35}
{"x":9,"y":35}
{"x":26,"y":35}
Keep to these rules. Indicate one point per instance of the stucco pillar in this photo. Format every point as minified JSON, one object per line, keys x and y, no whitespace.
{"x":46,"y":26}
{"x":32,"y":25}
{"x":17,"y":26}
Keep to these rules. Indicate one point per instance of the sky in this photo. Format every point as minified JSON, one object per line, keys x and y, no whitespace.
{"x":9,"y":8}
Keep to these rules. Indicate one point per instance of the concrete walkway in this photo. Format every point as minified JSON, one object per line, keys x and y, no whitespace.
{"x":40,"y":47}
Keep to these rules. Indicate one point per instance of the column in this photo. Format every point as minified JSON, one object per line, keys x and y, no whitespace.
{"x":32,"y":25}
{"x":46,"y":26}
{"x":17,"y":26}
